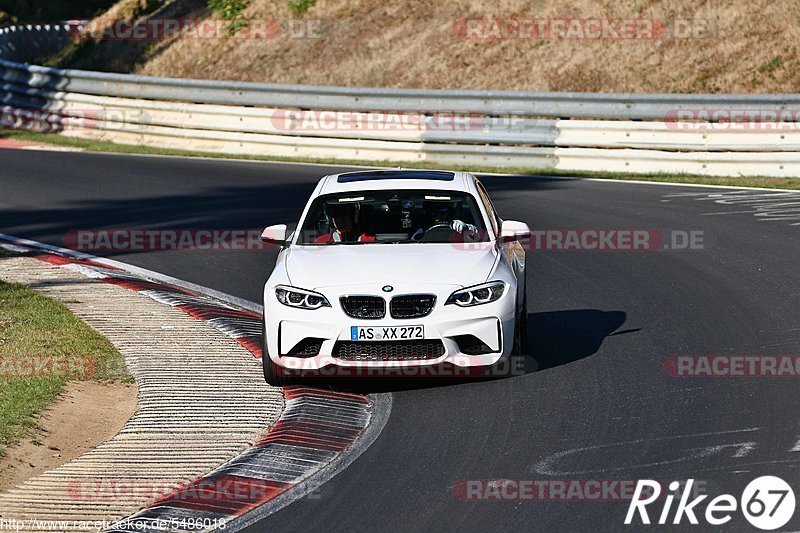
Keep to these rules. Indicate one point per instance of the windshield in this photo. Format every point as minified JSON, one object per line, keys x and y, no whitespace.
{"x":407,"y":217}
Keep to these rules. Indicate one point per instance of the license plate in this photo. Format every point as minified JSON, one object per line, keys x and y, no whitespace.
{"x":388,"y":333}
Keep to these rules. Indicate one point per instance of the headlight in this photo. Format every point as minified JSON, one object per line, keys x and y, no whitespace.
{"x":477,"y":295}
{"x":300,"y":298}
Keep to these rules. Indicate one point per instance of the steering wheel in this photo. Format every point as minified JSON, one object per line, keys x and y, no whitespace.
{"x":437,"y":233}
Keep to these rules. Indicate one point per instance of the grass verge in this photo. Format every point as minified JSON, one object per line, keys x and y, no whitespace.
{"x":42,"y":347}
{"x":109,"y":147}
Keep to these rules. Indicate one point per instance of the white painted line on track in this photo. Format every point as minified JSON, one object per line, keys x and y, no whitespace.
{"x":52,"y":148}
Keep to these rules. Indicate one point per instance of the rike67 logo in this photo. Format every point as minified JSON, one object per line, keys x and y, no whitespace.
{"x":767,"y":503}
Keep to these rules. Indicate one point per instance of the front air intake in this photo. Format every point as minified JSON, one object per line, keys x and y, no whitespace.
{"x":389,"y":350}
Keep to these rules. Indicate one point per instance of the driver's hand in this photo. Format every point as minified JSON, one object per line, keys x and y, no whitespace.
{"x":459,"y":226}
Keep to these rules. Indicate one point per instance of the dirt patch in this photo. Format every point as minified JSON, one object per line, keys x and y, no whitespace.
{"x":86,"y":415}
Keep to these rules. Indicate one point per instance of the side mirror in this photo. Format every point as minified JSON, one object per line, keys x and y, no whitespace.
{"x":511,"y":230}
{"x":275,"y":235}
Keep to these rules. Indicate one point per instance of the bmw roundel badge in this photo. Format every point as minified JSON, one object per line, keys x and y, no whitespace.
{"x":387,"y":288}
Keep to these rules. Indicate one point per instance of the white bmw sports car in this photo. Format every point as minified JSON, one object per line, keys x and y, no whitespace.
{"x":395,"y":268}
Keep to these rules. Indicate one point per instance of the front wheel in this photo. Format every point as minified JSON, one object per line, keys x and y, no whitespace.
{"x":521,"y":330}
{"x":519,"y":359}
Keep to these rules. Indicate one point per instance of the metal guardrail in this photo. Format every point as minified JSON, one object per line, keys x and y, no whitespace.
{"x":596,"y":131}
{"x":490,"y":103}
{"x":23,"y":105}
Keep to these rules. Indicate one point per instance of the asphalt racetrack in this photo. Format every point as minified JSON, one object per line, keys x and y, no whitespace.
{"x":603,"y":325}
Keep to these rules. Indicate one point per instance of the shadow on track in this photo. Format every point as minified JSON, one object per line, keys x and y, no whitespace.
{"x":562,"y":337}
{"x":556,"y":338}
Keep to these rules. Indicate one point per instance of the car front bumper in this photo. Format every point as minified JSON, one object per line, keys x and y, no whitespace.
{"x":492,"y":324}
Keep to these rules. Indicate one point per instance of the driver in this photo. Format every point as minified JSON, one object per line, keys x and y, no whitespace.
{"x":344,"y":220}
{"x":441,"y":214}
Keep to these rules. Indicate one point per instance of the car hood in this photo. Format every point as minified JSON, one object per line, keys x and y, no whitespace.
{"x":313,"y":267}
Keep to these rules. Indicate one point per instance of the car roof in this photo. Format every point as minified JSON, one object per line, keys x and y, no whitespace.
{"x":396,"y":179}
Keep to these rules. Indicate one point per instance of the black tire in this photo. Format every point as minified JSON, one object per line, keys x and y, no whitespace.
{"x":517,"y":363}
{"x":522,"y":322}
{"x":273,"y":374}
{"x":520,"y":346}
